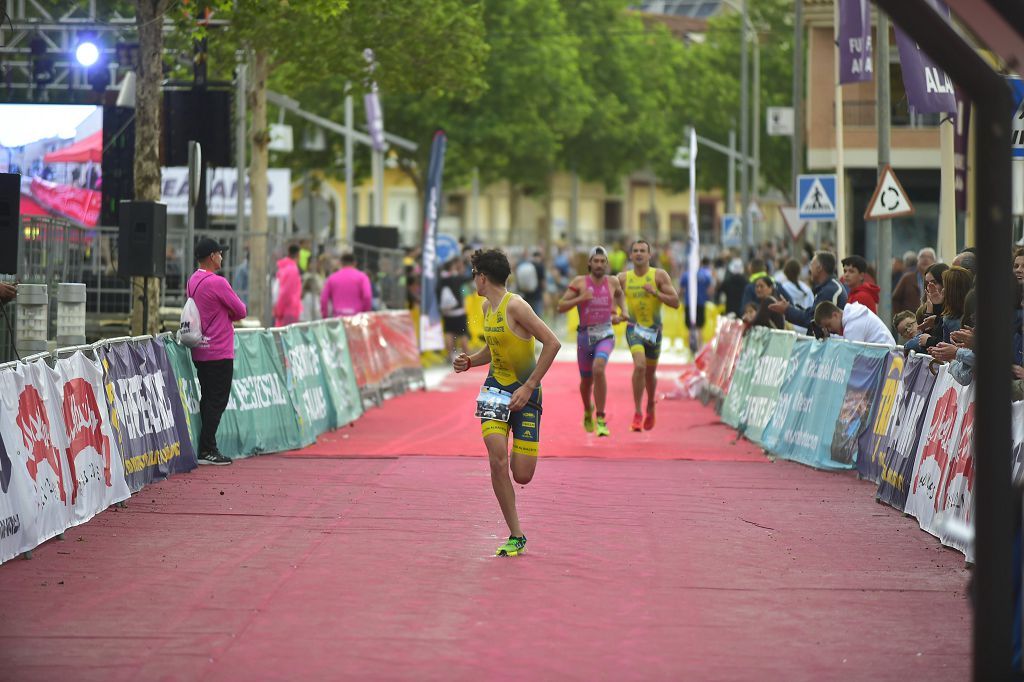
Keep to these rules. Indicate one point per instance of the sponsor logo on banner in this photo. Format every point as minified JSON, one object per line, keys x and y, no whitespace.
{"x":873,"y":440}
{"x":896,"y":460}
{"x":256,"y":393}
{"x":85,"y":429}
{"x":305,"y":365}
{"x":35,"y":432}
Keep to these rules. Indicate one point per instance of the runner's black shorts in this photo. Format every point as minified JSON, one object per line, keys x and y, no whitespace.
{"x":456,"y":325}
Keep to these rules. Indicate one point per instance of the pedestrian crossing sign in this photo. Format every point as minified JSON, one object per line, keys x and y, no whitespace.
{"x":817,"y":197}
{"x":732,"y":235}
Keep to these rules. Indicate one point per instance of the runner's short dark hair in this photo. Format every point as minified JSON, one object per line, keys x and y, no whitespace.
{"x":492,"y":264}
{"x":640,"y":241}
{"x":827,"y":261}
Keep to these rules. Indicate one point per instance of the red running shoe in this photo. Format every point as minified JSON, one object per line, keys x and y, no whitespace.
{"x":638,"y":422}
{"x":649,"y":421}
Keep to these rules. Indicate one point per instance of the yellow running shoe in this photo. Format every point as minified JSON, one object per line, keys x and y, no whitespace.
{"x":602,"y":427}
{"x":588,"y":422}
{"x":514,"y":547}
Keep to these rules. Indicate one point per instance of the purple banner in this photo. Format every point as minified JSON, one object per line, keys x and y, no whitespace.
{"x":960,"y":150}
{"x":872,"y":440}
{"x":854,"y":41}
{"x":147,"y":412}
{"x":897,"y":458}
{"x":929,"y":89}
{"x":860,"y":394}
{"x":375,"y":119}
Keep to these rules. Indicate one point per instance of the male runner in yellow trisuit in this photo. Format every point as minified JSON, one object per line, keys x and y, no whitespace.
{"x":646,"y":290}
{"x":510,"y":328}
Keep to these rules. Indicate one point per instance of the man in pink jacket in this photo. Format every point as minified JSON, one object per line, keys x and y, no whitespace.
{"x":347,"y":291}
{"x":288,"y":307}
{"x":214,"y":358}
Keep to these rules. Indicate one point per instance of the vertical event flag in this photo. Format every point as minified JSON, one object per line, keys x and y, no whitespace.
{"x":431,"y":337}
{"x":929,"y":89}
{"x":960,"y":143}
{"x":374,"y":118}
{"x":854,"y":41}
{"x":694,"y":262}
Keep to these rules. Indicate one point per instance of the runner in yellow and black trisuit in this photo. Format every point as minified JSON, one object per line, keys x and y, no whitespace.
{"x":646,"y":290}
{"x":510,"y":328}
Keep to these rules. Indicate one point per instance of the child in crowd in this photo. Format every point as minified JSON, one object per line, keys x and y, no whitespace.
{"x":905,"y":324}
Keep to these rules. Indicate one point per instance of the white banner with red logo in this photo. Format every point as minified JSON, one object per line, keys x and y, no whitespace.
{"x":59,"y":465}
{"x":942,"y":487}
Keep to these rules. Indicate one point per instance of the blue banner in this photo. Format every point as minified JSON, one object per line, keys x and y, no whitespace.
{"x":435,"y":172}
{"x":873,"y":438}
{"x":896,"y":460}
{"x":810,"y":398}
{"x":860,"y":393}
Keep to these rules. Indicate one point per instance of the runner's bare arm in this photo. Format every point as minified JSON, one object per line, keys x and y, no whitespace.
{"x":521,"y":316}
{"x":576,"y":294}
{"x":619,"y":298}
{"x":666,"y":292}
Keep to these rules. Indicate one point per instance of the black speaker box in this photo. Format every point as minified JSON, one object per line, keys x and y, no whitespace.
{"x":10,"y":217}
{"x":118,"y":161}
{"x":142,"y":240}
{"x":380,"y":236}
{"x":202,"y":115}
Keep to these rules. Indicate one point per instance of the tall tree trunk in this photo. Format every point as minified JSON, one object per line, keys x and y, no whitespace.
{"x":149,"y":17}
{"x":260,"y":139}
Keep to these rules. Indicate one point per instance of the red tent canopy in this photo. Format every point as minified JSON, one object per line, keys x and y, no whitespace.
{"x":89,"y":149}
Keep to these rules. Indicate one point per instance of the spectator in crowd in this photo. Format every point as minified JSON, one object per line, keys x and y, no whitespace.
{"x":288,"y":306}
{"x":825,"y":287}
{"x":855,"y":322}
{"x":617,"y":259}
{"x":956,"y":283}
{"x":214,"y":359}
{"x":311,"y":287}
{"x":1018,"y":263}
{"x":929,"y":314}
{"x":861,"y":289}
{"x":907,"y":264}
{"x":756,"y":270}
{"x":705,"y":288}
{"x":240,"y":282}
{"x":909,"y":291}
{"x":799,"y":293}
{"x":453,"y":309}
{"x":959,"y":352}
{"x":347,"y":291}
{"x":732,"y":287}
{"x":305,"y":252}
{"x":905,"y":324}
{"x":531,"y":282}
{"x":967,"y":260}
{"x":7,"y":292}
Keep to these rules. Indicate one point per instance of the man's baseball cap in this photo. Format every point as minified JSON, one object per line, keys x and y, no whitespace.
{"x":207,"y":246}
{"x":598,"y":251}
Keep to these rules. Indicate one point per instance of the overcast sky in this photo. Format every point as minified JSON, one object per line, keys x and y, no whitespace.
{"x":24,"y":123}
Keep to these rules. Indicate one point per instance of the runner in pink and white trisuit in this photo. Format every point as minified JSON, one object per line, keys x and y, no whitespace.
{"x":601,"y":302}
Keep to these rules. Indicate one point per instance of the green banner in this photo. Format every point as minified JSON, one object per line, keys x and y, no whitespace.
{"x":736,"y":399}
{"x":306,"y":376}
{"x":188,"y":385}
{"x":767,"y":377}
{"x":261,"y":415}
{"x":340,"y":379}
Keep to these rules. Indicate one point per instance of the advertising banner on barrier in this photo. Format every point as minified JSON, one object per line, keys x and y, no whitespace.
{"x":727,"y":348}
{"x":346,"y":405}
{"x":943,"y":478}
{"x":35,"y":479}
{"x":763,"y":394}
{"x":809,"y":399}
{"x":865,"y":376}
{"x":306,"y":381}
{"x":735,"y":403}
{"x":180,"y":360}
{"x":146,"y":412}
{"x":896,"y":458}
{"x":260,"y":416}
{"x":1018,"y":442}
{"x":94,"y":460}
{"x":872,"y":439}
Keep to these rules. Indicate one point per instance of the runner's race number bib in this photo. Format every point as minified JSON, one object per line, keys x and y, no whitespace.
{"x":493,"y":403}
{"x":599,"y":332}
{"x":647,"y":334}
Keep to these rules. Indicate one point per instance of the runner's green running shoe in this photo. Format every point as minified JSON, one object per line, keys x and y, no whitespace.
{"x":513,"y":547}
{"x":588,"y":422}
{"x":602,"y":427}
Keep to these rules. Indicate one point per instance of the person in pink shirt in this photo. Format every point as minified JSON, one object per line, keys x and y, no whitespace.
{"x":214,"y":358}
{"x":347,"y":291}
{"x":288,"y":306}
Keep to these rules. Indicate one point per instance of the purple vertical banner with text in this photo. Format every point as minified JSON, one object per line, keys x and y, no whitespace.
{"x":960,"y":147}
{"x":929,"y":89}
{"x":854,"y":41}
{"x":431,"y":336}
